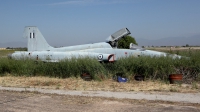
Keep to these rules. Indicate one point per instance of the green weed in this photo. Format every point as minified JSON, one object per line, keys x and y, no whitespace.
{"x":153,"y":68}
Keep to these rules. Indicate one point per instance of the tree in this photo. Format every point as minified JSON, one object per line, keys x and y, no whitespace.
{"x":125,"y":42}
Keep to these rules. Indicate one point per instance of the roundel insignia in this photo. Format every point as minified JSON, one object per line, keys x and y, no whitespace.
{"x":100,"y":56}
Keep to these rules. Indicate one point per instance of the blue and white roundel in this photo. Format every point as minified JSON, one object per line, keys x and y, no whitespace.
{"x":100,"y":57}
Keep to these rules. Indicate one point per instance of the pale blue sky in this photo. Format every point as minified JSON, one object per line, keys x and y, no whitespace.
{"x":71,"y":22}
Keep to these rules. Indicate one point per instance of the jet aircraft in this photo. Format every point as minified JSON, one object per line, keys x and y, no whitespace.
{"x":39,"y":49}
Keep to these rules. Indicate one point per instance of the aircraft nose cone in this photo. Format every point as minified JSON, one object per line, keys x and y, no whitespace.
{"x":9,"y":56}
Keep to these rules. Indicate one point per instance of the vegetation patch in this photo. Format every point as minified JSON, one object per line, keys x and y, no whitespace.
{"x":153,"y":68}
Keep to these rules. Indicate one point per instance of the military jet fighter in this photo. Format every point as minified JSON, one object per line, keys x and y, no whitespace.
{"x":39,"y":49}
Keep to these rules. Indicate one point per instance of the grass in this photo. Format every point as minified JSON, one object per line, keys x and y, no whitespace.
{"x":106,"y":85}
{"x":153,"y":68}
{"x":4,"y":53}
{"x":64,"y":69}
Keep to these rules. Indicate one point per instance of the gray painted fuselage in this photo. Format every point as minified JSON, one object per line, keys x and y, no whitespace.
{"x":39,"y":49}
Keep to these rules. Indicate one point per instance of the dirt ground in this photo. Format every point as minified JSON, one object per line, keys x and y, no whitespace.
{"x":36,"y":101}
{"x":11,"y":101}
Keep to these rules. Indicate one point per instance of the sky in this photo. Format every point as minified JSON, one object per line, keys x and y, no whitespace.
{"x":72,"y":22}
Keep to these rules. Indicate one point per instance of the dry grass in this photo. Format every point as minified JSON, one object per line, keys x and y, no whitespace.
{"x":106,"y":85}
{"x":4,"y":53}
{"x":175,"y":48}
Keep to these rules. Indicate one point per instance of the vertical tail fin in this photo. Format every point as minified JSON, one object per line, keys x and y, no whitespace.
{"x":36,"y":41}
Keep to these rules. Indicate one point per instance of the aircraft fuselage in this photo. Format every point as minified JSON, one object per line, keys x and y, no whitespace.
{"x":39,"y":49}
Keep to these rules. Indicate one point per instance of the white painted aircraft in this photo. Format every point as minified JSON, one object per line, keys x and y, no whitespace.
{"x":39,"y":49}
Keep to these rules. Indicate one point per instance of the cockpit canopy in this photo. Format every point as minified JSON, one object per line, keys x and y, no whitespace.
{"x":113,"y":39}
